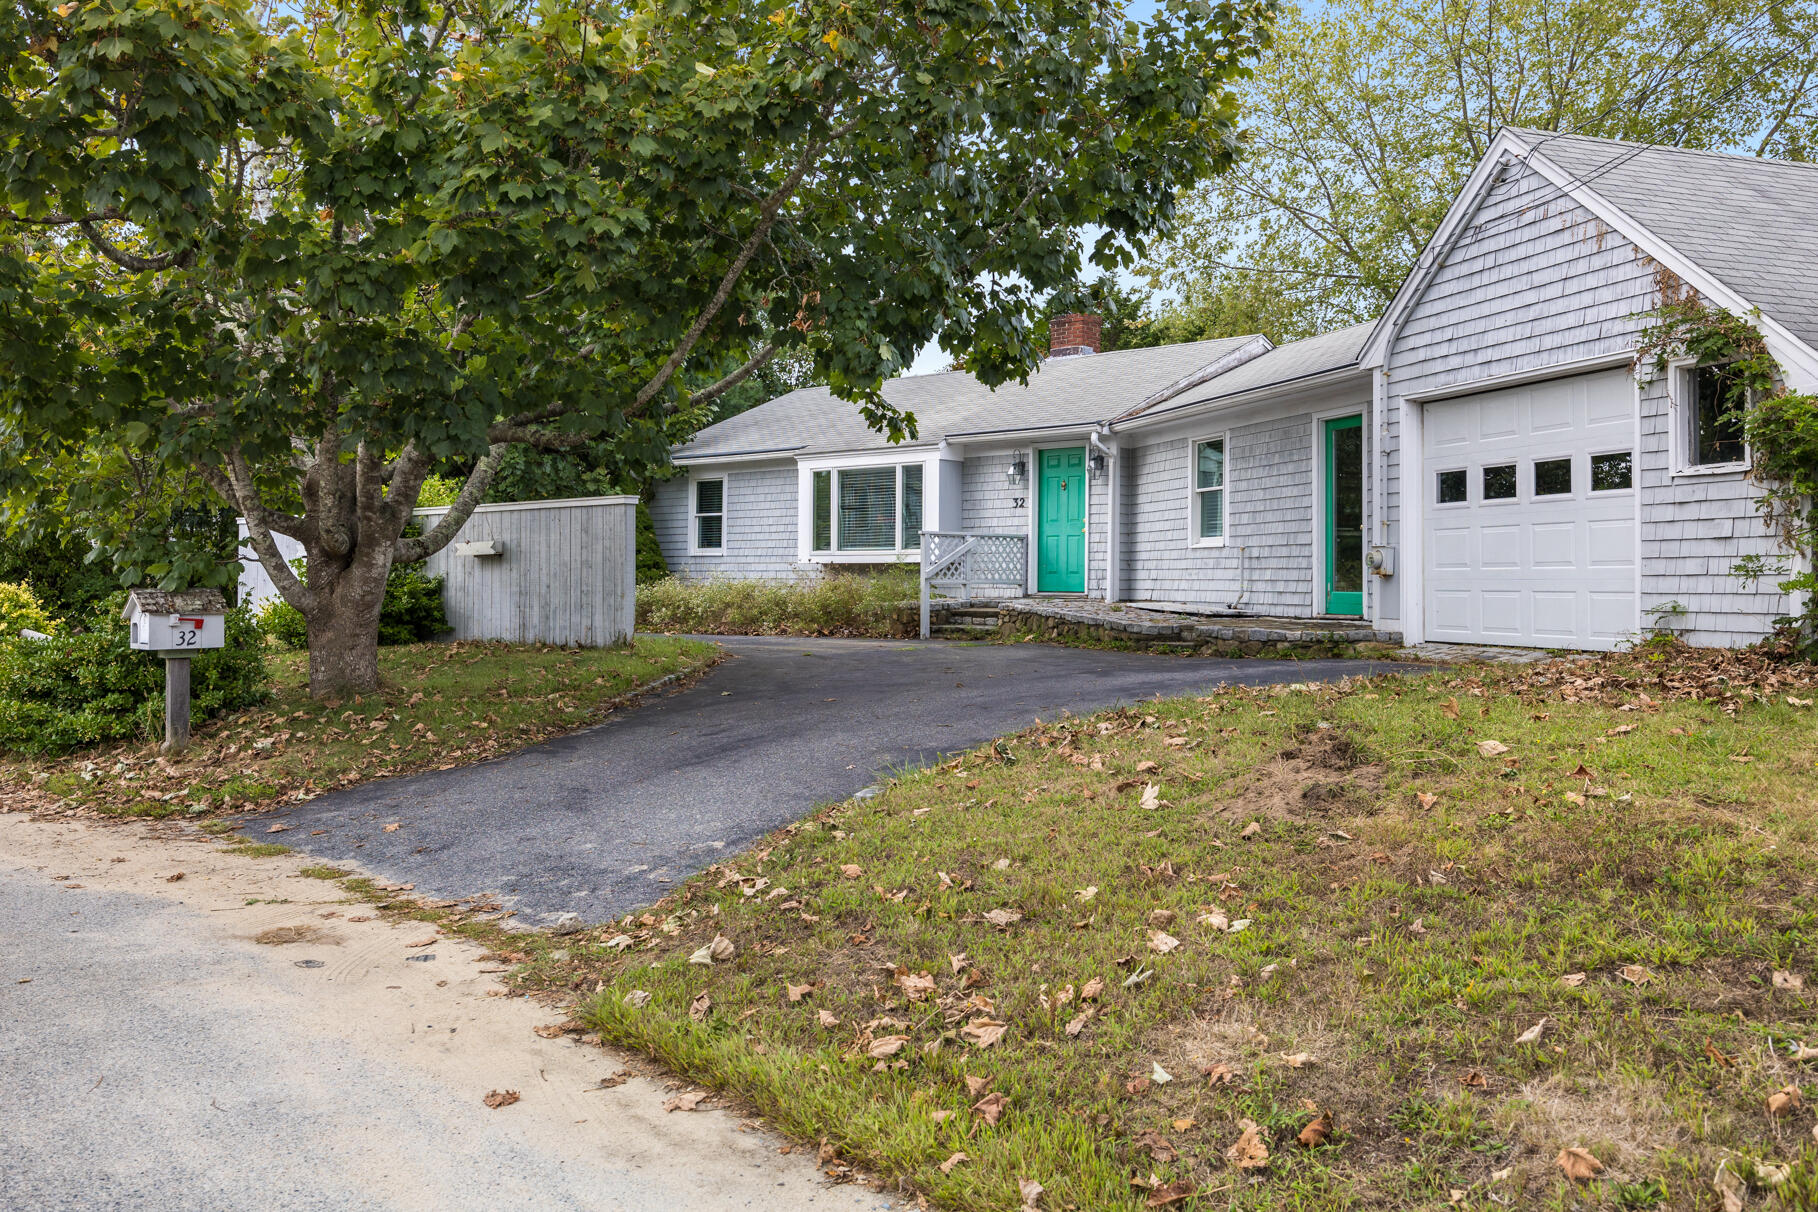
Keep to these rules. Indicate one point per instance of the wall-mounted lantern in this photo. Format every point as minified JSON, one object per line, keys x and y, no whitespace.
{"x":1017,"y":470}
{"x":1097,"y":463}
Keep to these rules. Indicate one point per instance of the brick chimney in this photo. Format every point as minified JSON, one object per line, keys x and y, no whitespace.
{"x":1073,"y":334}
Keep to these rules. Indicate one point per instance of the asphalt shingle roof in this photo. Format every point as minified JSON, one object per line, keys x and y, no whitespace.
{"x":1063,"y":392}
{"x":1333,"y":350}
{"x":1750,"y":223}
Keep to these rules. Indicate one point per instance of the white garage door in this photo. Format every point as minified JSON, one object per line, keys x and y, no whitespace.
{"x":1530,"y":514}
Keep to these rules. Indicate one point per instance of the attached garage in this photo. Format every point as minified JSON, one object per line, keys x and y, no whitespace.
{"x":1530,"y":533}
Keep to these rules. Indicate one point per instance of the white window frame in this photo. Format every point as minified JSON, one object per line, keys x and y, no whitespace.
{"x":871,"y":555}
{"x":1480,"y":497}
{"x":1680,"y":418}
{"x":1570,"y":459}
{"x":1590,"y":473}
{"x":1194,"y":491}
{"x":695,"y":515}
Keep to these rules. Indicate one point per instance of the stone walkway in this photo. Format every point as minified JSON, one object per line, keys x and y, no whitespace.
{"x":1464,"y":654}
{"x":1147,"y":623}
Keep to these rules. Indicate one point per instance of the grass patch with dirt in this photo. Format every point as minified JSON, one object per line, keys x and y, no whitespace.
{"x":1447,"y":929}
{"x":441,"y":705}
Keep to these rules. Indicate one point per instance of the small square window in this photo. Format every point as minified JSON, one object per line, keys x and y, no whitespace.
{"x":1553,"y":477}
{"x":1499,"y":482}
{"x":1613,"y":472}
{"x":709,"y":515}
{"x":1454,"y":487}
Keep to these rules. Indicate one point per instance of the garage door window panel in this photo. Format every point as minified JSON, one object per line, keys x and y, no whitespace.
{"x":1499,"y":482}
{"x":1553,"y":477}
{"x":1613,"y":471}
{"x":1453,"y":488}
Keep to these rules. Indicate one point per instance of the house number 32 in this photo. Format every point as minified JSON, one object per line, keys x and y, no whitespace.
{"x":1018,"y":502}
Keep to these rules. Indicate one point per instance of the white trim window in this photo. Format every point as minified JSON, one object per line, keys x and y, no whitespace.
{"x":1207,"y":473}
{"x":1707,"y":428}
{"x":707,"y":523}
{"x":858,"y":510}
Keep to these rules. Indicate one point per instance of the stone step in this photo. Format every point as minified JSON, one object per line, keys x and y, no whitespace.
{"x":974,"y":618}
{"x":955,"y":631}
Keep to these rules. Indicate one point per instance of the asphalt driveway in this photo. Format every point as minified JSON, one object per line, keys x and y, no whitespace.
{"x":607,"y":820}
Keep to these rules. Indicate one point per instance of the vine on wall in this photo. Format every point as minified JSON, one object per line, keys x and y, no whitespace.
{"x":1781,"y":428}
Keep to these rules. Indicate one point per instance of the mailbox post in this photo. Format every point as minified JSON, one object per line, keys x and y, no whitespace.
{"x":176,"y":626}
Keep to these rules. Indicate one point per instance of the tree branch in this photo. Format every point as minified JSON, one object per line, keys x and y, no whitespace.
{"x":409,"y":551}
{"x":714,"y":391}
{"x":126,"y":260}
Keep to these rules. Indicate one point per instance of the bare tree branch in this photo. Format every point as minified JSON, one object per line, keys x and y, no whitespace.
{"x":409,"y":551}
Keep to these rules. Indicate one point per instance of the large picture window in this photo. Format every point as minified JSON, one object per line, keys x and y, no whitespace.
{"x":859,"y":509}
{"x":710,"y":515}
{"x":1209,"y":491}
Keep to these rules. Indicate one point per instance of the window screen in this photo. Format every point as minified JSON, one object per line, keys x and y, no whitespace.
{"x":867,"y":509}
{"x":1453,"y":487}
{"x":1612,"y":472}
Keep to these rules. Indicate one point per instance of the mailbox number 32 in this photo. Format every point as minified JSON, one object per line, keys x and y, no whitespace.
{"x":186,"y":637}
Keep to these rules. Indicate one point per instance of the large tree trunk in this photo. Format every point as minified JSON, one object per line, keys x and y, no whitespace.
{"x":344,"y":631}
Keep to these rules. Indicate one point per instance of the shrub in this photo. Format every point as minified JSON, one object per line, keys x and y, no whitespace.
{"x":411,"y":613}
{"x":87,"y":687}
{"x":651,"y":564}
{"x":850,"y":604}
{"x":20,"y":608}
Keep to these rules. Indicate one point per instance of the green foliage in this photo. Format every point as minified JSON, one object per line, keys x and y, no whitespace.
{"x":1782,"y":432}
{"x":651,"y":564}
{"x":412,"y":613}
{"x":56,"y":566}
{"x":439,"y":490}
{"x":86,"y":687}
{"x":852,"y":604}
{"x":1368,"y":115}
{"x":302,"y":256}
{"x":20,"y":608}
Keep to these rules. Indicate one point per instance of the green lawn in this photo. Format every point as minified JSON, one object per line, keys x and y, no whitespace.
{"x":1634,"y":876}
{"x":442,"y":705}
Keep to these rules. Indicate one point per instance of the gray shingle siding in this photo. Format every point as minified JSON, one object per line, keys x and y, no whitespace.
{"x":760,"y":528}
{"x":1535,"y":281}
{"x":1267,"y":564}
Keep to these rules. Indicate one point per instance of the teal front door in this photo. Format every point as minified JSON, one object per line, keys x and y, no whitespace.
{"x":1060,"y":529}
{"x":1344,"y":515}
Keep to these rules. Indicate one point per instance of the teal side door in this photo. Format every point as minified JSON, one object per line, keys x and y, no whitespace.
{"x":1344,"y":520}
{"x":1060,"y":529}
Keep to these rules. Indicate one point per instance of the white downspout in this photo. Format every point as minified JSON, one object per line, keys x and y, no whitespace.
{"x":1379,"y":508}
{"x":1113,"y":499}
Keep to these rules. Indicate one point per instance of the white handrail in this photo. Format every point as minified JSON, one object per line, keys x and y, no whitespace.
{"x":1003,"y":553}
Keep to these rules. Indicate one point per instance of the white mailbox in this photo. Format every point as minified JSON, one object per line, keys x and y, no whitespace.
{"x":176,"y":623}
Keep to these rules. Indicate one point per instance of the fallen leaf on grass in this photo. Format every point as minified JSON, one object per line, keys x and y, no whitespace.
{"x":1635,"y":974}
{"x":991,"y":1108}
{"x":888,"y":1046}
{"x":1491,"y":748}
{"x":851,"y":871}
{"x":1578,"y":1164}
{"x":1151,"y":798}
{"x":956,"y":1159}
{"x":1426,"y":799}
{"x":958,"y":961}
{"x":1717,"y":1057}
{"x":1091,"y":989}
{"x":1031,"y":1191}
{"x":1790,"y":981}
{"x":1219,"y":1075}
{"x":1161,"y":942}
{"x":983,"y":1032}
{"x":1173,"y":1193}
{"x":280,"y":827}
{"x":1146,"y":766}
{"x":827,"y":1018}
{"x":1157,"y":1146}
{"x":1239,"y":926}
{"x":637,"y":997}
{"x":500,"y":1098}
{"x":717,"y":952}
{"x":1159,"y":1075}
{"x":1248,"y":1152}
{"x":690,"y":1101}
{"x":796,"y":993}
{"x":1003,"y":919}
{"x":1251,"y":830}
{"x":1299,"y":1060}
{"x":1532,"y":1034}
{"x":917,"y":985}
{"x":1785,"y":1101}
{"x":1317,"y":1131}
{"x":1078,"y":1022}
{"x":976,"y":1085}
{"x":700,"y":1008}
{"x":1086,"y":893}
{"x":1474,"y":1080}
{"x":1572,"y":980}
{"x":619,"y":942}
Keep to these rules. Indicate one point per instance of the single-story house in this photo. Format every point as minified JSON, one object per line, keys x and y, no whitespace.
{"x":1485,"y":463}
